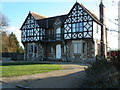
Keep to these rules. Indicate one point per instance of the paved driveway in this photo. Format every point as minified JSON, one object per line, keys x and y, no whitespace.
{"x":70,"y":76}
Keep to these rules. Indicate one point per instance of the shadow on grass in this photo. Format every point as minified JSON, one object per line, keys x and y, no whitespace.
{"x":21,"y":63}
{"x":40,"y":62}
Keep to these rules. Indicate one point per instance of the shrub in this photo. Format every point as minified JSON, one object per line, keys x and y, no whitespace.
{"x":97,"y":67}
{"x":115,"y":60}
{"x":101,"y":74}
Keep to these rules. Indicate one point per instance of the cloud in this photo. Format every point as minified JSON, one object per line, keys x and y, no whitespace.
{"x":11,"y":29}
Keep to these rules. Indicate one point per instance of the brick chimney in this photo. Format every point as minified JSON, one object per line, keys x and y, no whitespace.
{"x":119,"y":25}
{"x":103,"y":31}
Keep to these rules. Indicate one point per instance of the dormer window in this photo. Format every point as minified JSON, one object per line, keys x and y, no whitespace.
{"x":57,"y":23}
{"x":58,"y":33}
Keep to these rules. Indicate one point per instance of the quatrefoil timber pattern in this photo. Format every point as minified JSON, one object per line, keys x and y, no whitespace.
{"x":57,"y":23}
{"x":31,"y":31}
{"x":77,"y":24}
{"x":78,"y":15}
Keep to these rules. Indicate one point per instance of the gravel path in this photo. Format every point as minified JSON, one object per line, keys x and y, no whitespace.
{"x":70,"y":76}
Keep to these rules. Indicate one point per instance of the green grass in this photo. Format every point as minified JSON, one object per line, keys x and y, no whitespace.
{"x":27,"y":69}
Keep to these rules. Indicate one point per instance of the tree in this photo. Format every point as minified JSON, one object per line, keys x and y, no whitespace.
{"x":14,"y":44}
{"x":4,"y":41}
{"x":8,"y":43}
{"x":3,"y":20}
{"x":20,"y":49}
{"x":3,"y":34}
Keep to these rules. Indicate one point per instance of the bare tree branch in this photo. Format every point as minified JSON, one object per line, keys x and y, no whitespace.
{"x":3,"y":22}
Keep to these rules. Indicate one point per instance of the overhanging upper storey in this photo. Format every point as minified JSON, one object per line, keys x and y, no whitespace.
{"x":79,"y":23}
{"x":31,"y":30}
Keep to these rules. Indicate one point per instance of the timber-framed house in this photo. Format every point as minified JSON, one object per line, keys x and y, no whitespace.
{"x":76,"y":36}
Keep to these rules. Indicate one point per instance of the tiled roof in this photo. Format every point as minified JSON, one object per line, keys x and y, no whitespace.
{"x":49,"y":22}
{"x":90,"y":13}
{"x":37,"y":16}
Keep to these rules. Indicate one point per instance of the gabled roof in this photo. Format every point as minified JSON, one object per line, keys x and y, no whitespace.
{"x":49,"y":22}
{"x":90,"y":13}
{"x":37,"y":16}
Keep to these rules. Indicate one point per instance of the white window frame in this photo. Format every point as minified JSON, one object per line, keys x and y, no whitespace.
{"x":77,"y":27}
{"x":64,"y":49}
{"x":30,"y":48}
{"x":58,"y":33}
{"x":51,"y":51}
{"x":77,"y":47}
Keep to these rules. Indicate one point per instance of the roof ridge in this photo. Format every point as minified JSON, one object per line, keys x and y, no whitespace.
{"x":89,"y":12}
{"x":38,"y":15}
{"x":57,"y":16}
{"x":54,"y":16}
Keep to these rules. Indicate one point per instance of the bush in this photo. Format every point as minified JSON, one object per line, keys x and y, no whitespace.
{"x":98,"y":67}
{"x":115,"y":60}
{"x":101,"y":74}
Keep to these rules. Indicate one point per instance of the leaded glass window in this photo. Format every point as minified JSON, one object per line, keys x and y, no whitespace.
{"x":77,"y":47}
{"x":77,"y":27}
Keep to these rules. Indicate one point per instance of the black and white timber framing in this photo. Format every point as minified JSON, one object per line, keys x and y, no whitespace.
{"x":78,"y":26}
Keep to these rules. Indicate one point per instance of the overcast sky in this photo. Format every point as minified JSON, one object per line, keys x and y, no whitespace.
{"x":17,"y":10}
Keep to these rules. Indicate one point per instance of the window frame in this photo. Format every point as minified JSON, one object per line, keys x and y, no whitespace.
{"x":77,"y":27}
{"x":77,"y":47}
{"x":30,"y":48}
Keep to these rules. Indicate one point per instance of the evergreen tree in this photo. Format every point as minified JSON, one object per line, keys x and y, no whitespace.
{"x":20,"y":49}
{"x":4,"y":41}
{"x":8,"y":43}
{"x":3,"y":34}
{"x":13,"y":43}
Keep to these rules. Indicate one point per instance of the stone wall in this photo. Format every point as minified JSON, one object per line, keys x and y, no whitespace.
{"x":88,"y":56}
{"x":38,"y":56}
{"x":68,"y":55}
{"x":50,"y":50}
{"x":40,"y":52}
{"x":90,"y":49}
{"x":25,"y":51}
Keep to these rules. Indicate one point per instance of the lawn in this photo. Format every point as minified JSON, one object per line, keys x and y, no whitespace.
{"x":19,"y":69}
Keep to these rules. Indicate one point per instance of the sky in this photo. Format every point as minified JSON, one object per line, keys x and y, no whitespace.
{"x":17,"y":10}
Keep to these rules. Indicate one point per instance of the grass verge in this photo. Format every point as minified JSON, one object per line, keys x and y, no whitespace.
{"x":27,"y":69}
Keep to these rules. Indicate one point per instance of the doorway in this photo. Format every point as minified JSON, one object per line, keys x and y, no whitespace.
{"x":58,"y":51}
